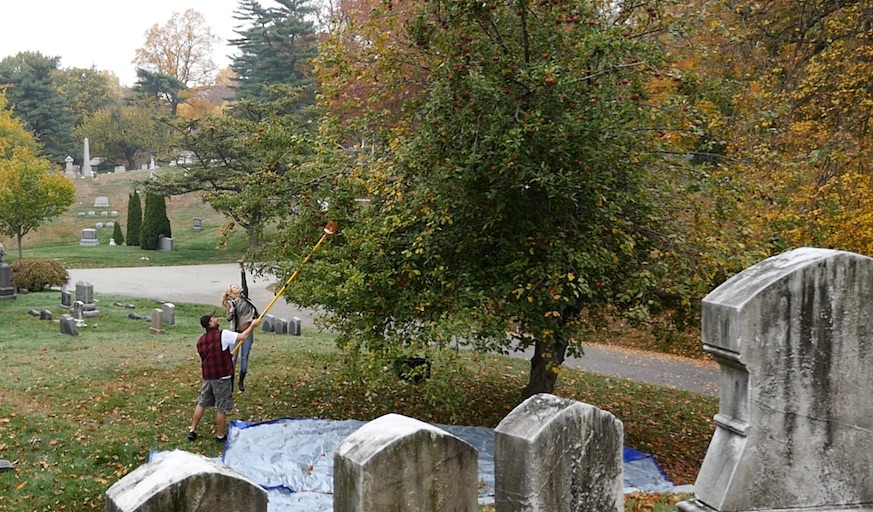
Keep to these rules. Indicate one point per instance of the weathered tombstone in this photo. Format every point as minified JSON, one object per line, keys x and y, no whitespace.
{"x":69,"y":170}
{"x":68,"y":325}
{"x":7,"y":291}
{"x":294,"y":326}
{"x":169,"y":312}
{"x":110,"y":224}
{"x":554,"y":454}
{"x":85,"y":292}
{"x":91,"y":213}
{"x":269,"y":323}
{"x":33,"y":312}
{"x":794,"y":430}
{"x":157,"y":324}
{"x":198,"y":224}
{"x":112,"y":242}
{"x":101,"y":202}
{"x":66,"y":299}
{"x":5,"y":465}
{"x":185,"y":481}
{"x":119,"y":169}
{"x":400,"y":463}
{"x":165,"y":244}
{"x":98,"y":225}
{"x":104,"y":213}
{"x":89,"y":237}
{"x":134,"y":316}
{"x":45,"y":314}
{"x":280,"y":326}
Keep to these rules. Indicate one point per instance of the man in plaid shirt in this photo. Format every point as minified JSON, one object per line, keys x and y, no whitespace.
{"x":216,"y":363}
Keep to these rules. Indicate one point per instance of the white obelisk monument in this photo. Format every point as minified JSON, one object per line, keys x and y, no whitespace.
{"x":86,"y":161}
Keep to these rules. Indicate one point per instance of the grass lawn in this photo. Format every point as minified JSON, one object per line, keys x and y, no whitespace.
{"x":78,"y":413}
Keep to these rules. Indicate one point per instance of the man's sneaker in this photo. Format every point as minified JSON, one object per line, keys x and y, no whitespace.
{"x":192,"y":436}
{"x":222,"y":439}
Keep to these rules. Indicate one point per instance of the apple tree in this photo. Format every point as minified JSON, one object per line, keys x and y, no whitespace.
{"x":503,"y":175}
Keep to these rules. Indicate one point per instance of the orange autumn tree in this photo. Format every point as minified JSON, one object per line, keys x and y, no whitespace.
{"x":795,"y":75}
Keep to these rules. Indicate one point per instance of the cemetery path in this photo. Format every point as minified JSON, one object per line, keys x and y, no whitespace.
{"x":203,"y":284}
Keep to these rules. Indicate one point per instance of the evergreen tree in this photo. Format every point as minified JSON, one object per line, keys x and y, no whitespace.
{"x":275,"y":48}
{"x":134,"y":218}
{"x":116,"y":234}
{"x":31,"y":89}
{"x":155,"y":222}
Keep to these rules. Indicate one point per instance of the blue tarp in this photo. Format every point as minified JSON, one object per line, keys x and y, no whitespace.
{"x":292,"y":458}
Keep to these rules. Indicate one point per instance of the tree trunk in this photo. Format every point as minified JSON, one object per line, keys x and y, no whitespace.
{"x":20,"y":236}
{"x":548,"y":355}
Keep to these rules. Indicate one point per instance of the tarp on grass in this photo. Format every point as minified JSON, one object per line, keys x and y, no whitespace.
{"x":292,"y":458}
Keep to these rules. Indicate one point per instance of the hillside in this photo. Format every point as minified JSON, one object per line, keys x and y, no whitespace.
{"x":66,"y":229}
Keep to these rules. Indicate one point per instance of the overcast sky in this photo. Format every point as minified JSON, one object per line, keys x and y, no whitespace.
{"x":104,"y":33}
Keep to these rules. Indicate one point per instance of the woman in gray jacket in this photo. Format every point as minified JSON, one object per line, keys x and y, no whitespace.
{"x":240,"y":313}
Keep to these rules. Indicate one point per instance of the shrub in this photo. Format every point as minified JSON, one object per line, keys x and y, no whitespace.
{"x":134,"y":219}
{"x":37,"y":274}
{"x":116,"y":234}
{"x":155,"y":222}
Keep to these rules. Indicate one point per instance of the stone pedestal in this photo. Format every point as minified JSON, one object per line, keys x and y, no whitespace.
{"x":7,"y":291}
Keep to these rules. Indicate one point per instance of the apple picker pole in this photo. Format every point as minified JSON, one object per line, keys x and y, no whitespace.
{"x":329,"y":229}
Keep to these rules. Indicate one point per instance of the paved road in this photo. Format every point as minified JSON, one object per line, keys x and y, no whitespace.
{"x":204,"y":284}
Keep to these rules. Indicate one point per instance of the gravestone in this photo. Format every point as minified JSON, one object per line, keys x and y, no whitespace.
{"x":101,"y":202}
{"x":169,"y":312}
{"x":45,"y":314}
{"x":91,"y":213}
{"x":110,"y":224}
{"x":157,"y":323}
{"x":198,"y":225}
{"x":5,"y":465}
{"x":400,"y":463}
{"x":68,"y":325}
{"x":554,"y":454}
{"x":69,"y":170}
{"x":89,"y":238}
{"x":269,"y":323}
{"x":185,"y":481}
{"x":104,"y":213}
{"x":66,"y":299}
{"x":113,"y":213}
{"x":794,"y":430}
{"x":85,"y":294}
{"x":98,"y":225}
{"x":120,"y":169}
{"x":33,"y":312}
{"x":294,"y":326}
{"x":165,"y":244}
{"x":7,"y":291}
{"x":280,"y":326}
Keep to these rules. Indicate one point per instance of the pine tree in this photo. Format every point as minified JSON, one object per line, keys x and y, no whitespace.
{"x":134,"y":219}
{"x":275,"y":48}
{"x":116,"y":234}
{"x":155,"y":222}
{"x":30,"y":82}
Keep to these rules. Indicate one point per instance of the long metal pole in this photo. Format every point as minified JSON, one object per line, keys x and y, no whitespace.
{"x":330,"y":229}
